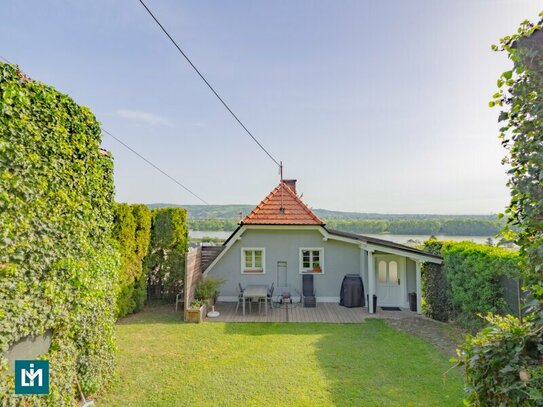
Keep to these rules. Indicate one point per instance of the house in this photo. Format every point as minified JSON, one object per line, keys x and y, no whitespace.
{"x":282,"y":239}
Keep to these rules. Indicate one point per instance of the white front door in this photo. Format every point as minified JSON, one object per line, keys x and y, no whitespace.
{"x":390,"y":280}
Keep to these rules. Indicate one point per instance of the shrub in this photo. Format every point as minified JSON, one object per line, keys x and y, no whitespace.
{"x":195,"y":304}
{"x":503,"y":363}
{"x":58,"y":266}
{"x":133,"y":233}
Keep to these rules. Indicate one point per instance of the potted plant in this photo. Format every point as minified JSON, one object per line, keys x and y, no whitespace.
{"x":207,"y":290}
{"x":316,"y":267}
{"x":196,"y":311}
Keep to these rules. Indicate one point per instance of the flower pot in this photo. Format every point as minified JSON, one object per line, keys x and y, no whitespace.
{"x":196,"y":314}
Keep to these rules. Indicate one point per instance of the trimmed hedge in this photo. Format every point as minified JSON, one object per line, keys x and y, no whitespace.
{"x":166,"y":260}
{"x":436,"y":291}
{"x":133,"y":233}
{"x":470,"y":281}
{"x":58,"y":264}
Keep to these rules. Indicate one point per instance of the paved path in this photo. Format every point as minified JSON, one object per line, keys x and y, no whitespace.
{"x":443,"y":336}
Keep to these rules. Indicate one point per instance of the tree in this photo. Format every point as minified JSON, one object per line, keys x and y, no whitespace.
{"x":503,"y":362}
{"x":521,"y":100}
{"x":133,"y":233}
{"x":166,"y":259}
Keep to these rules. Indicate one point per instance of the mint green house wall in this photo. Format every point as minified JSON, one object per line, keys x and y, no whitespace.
{"x":283,"y":245}
{"x":340,"y":258}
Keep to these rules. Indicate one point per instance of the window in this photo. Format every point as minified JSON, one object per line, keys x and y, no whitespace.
{"x":312,"y":260}
{"x":393,"y":272}
{"x":382,"y":268}
{"x":388,"y":272}
{"x":253,"y":260}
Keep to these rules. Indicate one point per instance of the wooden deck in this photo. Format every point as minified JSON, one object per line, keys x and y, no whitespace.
{"x":323,"y":312}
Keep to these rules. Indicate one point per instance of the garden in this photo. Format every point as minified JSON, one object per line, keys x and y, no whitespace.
{"x":163,"y":361}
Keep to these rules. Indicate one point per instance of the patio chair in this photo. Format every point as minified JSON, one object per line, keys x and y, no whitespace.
{"x":179,"y":298}
{"x":241,"y":298}
{"x":269,"y":296}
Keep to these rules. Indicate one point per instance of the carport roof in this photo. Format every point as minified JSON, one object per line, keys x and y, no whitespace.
{"x":381,"y":242}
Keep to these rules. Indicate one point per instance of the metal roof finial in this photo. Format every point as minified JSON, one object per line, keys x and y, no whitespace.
{"x":281,"y":209}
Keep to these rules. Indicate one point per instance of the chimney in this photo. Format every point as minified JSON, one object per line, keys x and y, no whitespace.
{"x":291,"y":183}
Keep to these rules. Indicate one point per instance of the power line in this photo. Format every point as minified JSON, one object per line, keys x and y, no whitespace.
{"x":6,"y":61}
{"x":208,"y":84}
{"x":140,"y":156}
{"x":154,"y":166}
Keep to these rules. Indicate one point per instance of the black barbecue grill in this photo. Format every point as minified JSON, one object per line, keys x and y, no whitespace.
{"x":352,"y":291}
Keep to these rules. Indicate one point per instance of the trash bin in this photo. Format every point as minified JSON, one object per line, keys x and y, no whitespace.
{"x":374,"y":302}
{"x":413,"y":301}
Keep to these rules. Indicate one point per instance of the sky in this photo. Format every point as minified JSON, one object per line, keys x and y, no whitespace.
{"x":374,"y":106}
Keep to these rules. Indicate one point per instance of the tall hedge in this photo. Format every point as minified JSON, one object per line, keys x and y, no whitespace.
{"x":133,"y":233}
{"x":436,"y":289}
{"x":57,"y":259}
{"x":470,"y":282}
{"x":166,"y":259}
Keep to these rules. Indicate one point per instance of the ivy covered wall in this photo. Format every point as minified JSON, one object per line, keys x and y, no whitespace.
{"x":58,"y":265}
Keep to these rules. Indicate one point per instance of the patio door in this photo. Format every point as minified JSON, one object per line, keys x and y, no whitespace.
{"x":390,"y":280}
{"x":282,"y":274}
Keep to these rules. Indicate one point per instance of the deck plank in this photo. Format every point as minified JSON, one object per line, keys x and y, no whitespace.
{"x":323,"y":312}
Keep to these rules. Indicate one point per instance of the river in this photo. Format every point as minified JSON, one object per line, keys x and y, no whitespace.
{"x":403,"y":239}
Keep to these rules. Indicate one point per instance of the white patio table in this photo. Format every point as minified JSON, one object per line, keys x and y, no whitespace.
{"x":256,"y":291}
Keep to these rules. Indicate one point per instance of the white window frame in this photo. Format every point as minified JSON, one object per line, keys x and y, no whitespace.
{"x":321,"y":260}
{"x":253,"y":271}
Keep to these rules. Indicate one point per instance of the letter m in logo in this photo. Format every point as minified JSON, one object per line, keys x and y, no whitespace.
{"x":31,"y":377}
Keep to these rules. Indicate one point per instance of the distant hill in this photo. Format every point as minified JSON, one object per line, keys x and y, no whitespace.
{"x":233,"y":212}
{"x":209,"y":211}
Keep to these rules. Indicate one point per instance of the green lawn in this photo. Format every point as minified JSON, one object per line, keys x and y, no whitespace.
{"x":164,"y":362}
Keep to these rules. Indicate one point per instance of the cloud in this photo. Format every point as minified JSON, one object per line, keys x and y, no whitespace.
{"x":144,"y":117}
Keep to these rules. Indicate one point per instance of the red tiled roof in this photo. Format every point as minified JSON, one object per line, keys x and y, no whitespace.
{"x":295,"y":211}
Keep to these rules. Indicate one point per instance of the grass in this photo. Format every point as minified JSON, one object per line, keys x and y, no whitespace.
{"x":164,"y":362}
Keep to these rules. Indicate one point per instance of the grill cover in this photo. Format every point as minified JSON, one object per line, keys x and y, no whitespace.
{"x":352,"y":291}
